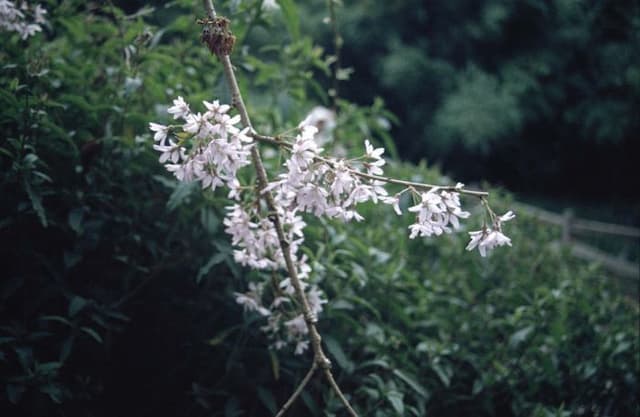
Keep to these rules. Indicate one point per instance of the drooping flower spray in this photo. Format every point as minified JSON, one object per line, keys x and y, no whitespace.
{"x":265,"y":219}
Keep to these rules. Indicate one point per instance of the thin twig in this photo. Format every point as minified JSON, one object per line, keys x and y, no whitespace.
{"x":298,"y":390}
{"x":320,"y":359}
{"x":418,"y":185}
{"x":337,"y":45}
{"x":336,"y":388}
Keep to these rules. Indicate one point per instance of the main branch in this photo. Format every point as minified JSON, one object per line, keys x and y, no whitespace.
{"x":320,"y":357}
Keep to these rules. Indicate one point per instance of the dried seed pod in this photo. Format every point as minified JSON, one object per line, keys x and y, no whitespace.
{"x":217,"y":35}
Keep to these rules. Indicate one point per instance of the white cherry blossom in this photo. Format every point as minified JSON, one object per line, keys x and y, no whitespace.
{"x":26,"y":20}
{"x":161,"y":131}
{"x":210,"y":148}
{"x":437,"y":210}
{"x":488,"y":239}
{"x":180,"y":109}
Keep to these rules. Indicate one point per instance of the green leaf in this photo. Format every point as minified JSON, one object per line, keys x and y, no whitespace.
{"x":36,"y":203}
{"x":443,"y":371}
{"x":338,"y":354}
{"x":374,"y":362}
{"x":478,"y":385}
{"x":220,"y":337}
{"x":25,"y":356}
{"x":75,"y":219}
{"x":364,"y":303}
{"x":6,"y":152}
{"x":42,"y":176}
{"x":14,"y":392}
{"x":181,"y":194}
{"x":48,"y":367}
{"x":310,"y":403}
{"x":342,"y":305}
{"x":215,"y":259}
{"x":291,"y":19}
{"x":59,"y":319}
{"x":232,"y":409}
{"x":275,"y":364}
{"x":54,"y":391}
{"x":92,"y":333}
{"x":71,"y":258}
{"x":115,"y":315}
{"x":410,"y":380}
{"x":267,"y":400}
{"x":65,"y":350}
{"x":397,"y":401}
{"x":209,"y":220}
{"x":77,"y":303}
{"x":520,"y":336}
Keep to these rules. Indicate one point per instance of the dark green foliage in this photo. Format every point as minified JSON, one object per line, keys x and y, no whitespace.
{"x":539,"y":95}
{"x":116,"y":289}
{"x":527,"y":332}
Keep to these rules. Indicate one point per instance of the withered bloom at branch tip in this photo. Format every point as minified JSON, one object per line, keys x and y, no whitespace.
{"x":217,"y":35}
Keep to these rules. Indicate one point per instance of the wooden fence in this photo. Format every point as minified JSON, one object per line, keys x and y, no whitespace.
{"x":572,"y":226}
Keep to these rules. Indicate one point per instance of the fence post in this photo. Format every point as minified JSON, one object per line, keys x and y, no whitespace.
{"x":567,"y":219}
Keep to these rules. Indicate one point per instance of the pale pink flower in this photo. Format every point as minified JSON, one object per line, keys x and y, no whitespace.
{"x":180,"y":109}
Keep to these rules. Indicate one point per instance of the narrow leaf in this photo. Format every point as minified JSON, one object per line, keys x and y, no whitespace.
{"x":291,"y":20}
{"x":75,"y":219}
{"x":520,"y":336}
{"x":36,"y":203}
{"x":267,"y":400}
{"x":76,"y":305}
{"x":444,"y":372}
{"x":220,"y":337}
{"x":215,"y":259}
{"x":92,"y":333}
{"x":275,"y":365}
{"x":397,"y":401}
{"x":410,"y":380}
{"x":338,"y":354}
{"x":14,"y":392}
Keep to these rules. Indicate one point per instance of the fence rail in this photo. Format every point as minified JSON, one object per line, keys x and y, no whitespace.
{"x":571,"y":226}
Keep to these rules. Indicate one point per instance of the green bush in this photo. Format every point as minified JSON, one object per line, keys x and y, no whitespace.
{"x":117,"y":282}
{"x":431,"y":330}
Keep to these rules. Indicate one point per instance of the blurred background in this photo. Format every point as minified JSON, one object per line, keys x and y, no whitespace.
{"x":117,"y":282}
{"x":539,"y":96}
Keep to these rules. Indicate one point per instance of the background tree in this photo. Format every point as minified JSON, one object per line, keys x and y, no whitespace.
{"x":540,"y":96}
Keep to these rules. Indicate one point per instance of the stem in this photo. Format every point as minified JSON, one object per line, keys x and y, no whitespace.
{"x":337,"y":45}
{"x":277,"y":142}
{"x":298,"y":390}
{"x":418,"y":184}
{"x":320,"y":359}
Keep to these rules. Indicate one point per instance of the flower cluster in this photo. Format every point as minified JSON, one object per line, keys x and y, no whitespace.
{"x":326,"y":186}
{"x":487,"y":238}
{"x":25,"y":19}
{"x":259,"y":248}
{"x":437,"y":210}
{"x":210,"y":148}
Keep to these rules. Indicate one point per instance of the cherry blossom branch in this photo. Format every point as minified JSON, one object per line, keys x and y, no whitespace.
{"x":275,"y":140}
{"x":320,"y":359}
{"x":267,"y":227}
